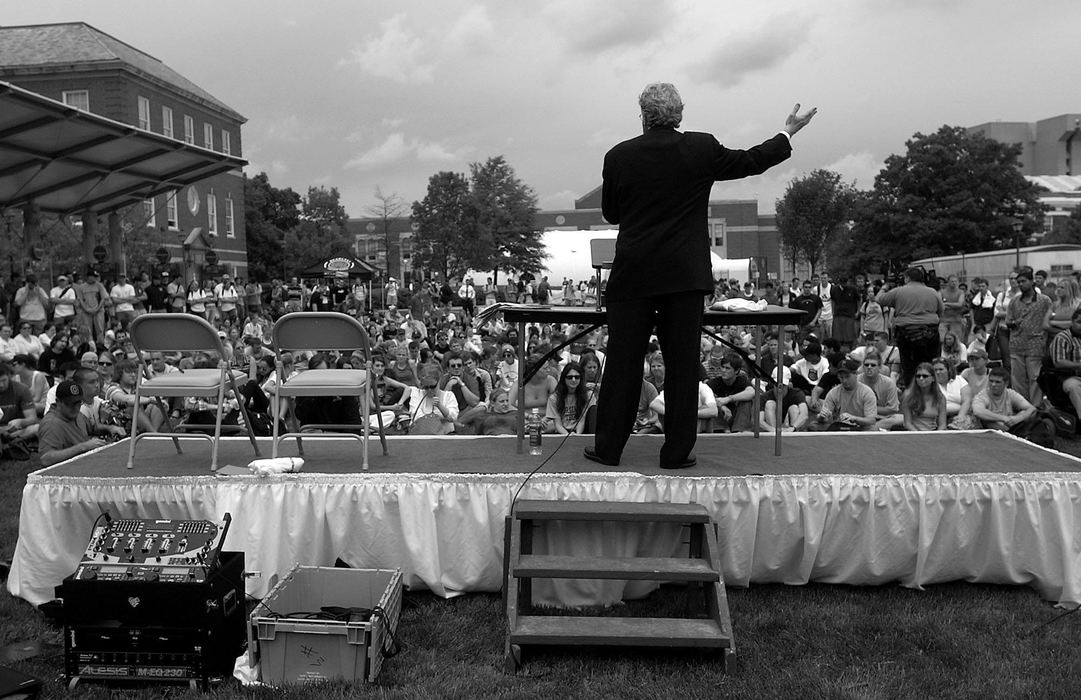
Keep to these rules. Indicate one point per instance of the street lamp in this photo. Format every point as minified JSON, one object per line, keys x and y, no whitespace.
{"x":1017,"y":225}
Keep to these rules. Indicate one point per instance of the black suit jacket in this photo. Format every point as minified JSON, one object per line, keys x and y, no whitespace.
{"x":656,"y":188}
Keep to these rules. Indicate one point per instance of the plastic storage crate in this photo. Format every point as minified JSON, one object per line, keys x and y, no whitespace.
{"x":293,"y":649}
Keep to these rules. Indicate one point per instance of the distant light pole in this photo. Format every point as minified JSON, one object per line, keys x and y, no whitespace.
{"x":964,"y":274}
{"x":1017,"y":225}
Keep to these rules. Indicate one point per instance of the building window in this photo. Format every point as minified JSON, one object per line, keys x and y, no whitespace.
{"x":226,"y":142}
{"x":208,"y":137}
{"x":148,"y":213}
{"x":144,"y":113}
{"x":170,"y":211}
{"x":79,"y":99}
{"x":212,"y":214}
{"x":717,"y":231}
{"x":167,"y":121}
{"x":230,"y":231}
{"x":189,"y":129}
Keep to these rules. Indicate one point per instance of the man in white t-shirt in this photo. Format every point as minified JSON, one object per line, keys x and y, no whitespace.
{"x":812,"y":366}
{"x":62,"y":297}
{"x":123,"y":296}
{"x":824,"y":291}
{"x":228,"y":296}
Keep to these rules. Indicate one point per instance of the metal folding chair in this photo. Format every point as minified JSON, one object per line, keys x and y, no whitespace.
{"x":184,"y":333}
{"x":317,"y":331}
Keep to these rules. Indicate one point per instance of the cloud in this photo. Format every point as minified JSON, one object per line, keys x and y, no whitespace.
{"x":753,"y":51}
{"x":396,"y":54}
{"x":287,"y":129}
{"x":473,"y":30}
{"x":859,"y":167}
{"x":397,"y":149}
{"x":595,"y":26}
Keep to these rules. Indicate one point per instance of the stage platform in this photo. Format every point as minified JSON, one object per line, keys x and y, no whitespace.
{"x":854,"y":508}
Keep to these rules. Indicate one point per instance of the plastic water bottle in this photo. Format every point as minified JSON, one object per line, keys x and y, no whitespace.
{"x":535,"y":428}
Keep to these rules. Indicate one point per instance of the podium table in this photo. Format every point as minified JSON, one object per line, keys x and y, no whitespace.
{"x":589,"y":319}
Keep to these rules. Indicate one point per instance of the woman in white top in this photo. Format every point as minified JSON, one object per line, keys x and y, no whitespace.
{"x":958,"y":402}
{"x":196,"y":299}
{"x":954,"y":350}
{"x":1067,"y":298}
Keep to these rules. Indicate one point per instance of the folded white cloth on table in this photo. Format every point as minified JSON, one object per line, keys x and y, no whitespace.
{"x":738,"y":304}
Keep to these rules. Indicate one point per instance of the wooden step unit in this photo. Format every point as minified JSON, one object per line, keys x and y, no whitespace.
{"x":702,"y":568}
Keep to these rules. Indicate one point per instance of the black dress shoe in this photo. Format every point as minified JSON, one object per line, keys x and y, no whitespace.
{"x":592,"y":456}
{"x":685,"y":464}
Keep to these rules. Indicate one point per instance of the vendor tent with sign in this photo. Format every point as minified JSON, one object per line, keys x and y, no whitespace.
{"x":342,"y":266}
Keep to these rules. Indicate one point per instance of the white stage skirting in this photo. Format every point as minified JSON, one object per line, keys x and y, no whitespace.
{"x":445,"y":531}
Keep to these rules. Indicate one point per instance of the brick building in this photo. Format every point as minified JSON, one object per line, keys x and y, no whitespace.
{"x":81,"y":66}
{"x":737,"y":230}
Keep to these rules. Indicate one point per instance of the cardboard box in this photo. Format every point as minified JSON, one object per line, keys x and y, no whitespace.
{"x":294,"y":644}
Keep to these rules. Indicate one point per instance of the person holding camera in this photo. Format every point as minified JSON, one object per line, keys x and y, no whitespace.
{"x":32,"y":301}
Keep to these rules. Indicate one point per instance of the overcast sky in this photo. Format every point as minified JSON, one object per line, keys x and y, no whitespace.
{"x":364,"y":93}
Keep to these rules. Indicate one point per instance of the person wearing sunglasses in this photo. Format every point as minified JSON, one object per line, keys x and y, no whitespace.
{"x":923,"y":406}
{"x":569,"y":402}
{"x":507,"y":369}
{"x":466,"y":390}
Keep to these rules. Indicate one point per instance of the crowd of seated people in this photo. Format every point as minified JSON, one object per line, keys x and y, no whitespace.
{"x":433,"y":371}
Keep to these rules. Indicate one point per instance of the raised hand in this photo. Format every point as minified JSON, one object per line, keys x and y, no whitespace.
{"x":796,"y":121}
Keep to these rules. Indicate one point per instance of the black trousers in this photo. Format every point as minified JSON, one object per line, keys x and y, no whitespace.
{"x":916,"y":344}
{"x":678,"y":320}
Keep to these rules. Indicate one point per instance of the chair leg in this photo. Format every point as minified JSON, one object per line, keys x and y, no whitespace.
{"x":275,"y":408}
{"x":217,"y":424}
{"x":134,"y":430}
{"x":244,"y":413}
{"x":367,"y":402}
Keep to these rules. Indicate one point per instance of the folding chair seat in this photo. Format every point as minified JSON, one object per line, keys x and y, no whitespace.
{"x":317,"y":331}
{"x":184,"y":333}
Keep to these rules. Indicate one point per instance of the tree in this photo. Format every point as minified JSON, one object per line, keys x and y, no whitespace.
{"x":506,"y":236}
{"x":811,"y":212}
{"x":950,"y":192}
{"x":269,"y":213}
{"x":321,"y":233}
{"x":387,"y":207}
{"x":444,"y":224}
{"x":1069,"y":231}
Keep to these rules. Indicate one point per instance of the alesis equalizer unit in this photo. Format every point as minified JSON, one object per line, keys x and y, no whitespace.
{"x":154,"y":600}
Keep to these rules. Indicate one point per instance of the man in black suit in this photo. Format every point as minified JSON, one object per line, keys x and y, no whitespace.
{"x":656,"y":187}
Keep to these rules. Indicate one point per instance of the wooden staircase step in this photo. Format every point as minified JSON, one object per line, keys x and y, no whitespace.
{"x":606,"y":510}
{"x":621,"y":568}
{"x":618,"y":631}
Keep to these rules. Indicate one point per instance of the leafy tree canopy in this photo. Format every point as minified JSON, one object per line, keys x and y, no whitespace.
{"x":484,"y":223}
{"x":950,"y":192}
{"x":505,"y":211}
{"x":444,"y":221}
{"x":811,"y":213}
{"x":269,"y":213}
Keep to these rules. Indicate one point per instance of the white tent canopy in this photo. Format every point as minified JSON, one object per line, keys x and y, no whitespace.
{"x":569,"y":257}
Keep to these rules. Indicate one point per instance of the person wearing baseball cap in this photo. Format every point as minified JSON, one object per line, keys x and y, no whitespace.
{"x":848,"y":406}
{"x":90,"y":306}
{"x":62,"y":433}
{"x":63,"y":298}
{"x":976,"y":373}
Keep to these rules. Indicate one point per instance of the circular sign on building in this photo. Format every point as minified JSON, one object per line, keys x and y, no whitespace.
{"x":162,"y":255}
{"x":211,"y":257}
{"x":100,"y":253}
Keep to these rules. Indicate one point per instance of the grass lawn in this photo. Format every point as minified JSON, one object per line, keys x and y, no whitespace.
{"x":953,"y":640}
